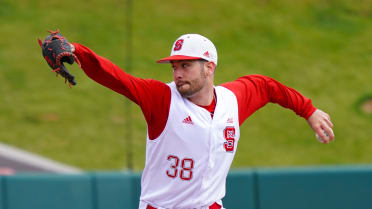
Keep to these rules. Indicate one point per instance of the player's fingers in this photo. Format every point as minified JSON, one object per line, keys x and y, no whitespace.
{"x":329,"y":122}
{"x":320,"y":134}
{"x":323,"y":138}
{"x":328,"y":132}
{"x":327,"y":116}
{"x":324,"y":116}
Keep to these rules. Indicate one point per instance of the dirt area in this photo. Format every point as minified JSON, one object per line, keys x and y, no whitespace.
{"x":367,"y":106}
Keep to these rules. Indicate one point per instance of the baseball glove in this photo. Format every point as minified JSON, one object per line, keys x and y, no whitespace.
{"x":56,"y":50}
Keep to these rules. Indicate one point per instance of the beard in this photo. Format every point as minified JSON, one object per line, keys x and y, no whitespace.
{"x":189,"y":88}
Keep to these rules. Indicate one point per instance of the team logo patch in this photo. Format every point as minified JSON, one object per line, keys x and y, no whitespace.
{"x":229,"y":134}
{"x":178,"y":45}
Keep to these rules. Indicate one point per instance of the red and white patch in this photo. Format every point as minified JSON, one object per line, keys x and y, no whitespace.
{"x":178,"y":45}
{"x":229,"y":134}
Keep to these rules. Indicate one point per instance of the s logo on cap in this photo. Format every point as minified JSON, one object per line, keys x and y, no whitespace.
{"x":178,"y":45}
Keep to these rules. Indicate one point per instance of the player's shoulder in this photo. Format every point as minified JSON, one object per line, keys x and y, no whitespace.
{"x":246,"y":78}
{"x":154,"y":82}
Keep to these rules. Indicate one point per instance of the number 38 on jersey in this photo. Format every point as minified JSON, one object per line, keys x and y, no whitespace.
{"x":181,"y":168}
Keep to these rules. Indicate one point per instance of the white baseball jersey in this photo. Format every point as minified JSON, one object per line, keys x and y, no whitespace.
{"x":187,"y":165}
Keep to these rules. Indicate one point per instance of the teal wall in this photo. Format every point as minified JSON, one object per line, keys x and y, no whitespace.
{"x":240,"y":190}
{"x":117,"y":190}
{"x":292,"y":188}
{"x":344,"y":188}
{"x":49,"y":191}
{"x":2,"y":202}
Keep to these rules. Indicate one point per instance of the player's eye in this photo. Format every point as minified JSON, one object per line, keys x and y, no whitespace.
{"x":185,"y":65}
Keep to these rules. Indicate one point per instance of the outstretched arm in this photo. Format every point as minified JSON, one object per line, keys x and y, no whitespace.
{"x":151,"y":95}
{"x":255,"y":91}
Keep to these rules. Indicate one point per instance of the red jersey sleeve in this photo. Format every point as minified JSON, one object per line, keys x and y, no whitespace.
{"x":151,"y":95}
{"x":254,"y":91}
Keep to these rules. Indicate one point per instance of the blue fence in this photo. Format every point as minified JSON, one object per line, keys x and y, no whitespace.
{"x":292,"y":188}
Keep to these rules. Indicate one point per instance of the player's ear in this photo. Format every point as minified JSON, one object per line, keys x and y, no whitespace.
{"x":210,"y":67}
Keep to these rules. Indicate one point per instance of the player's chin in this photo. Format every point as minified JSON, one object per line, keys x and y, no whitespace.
{"x":185,"y":91}
{"x":183,"y":88}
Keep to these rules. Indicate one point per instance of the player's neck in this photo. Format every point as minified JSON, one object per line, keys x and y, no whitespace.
{"x":204,"y":97}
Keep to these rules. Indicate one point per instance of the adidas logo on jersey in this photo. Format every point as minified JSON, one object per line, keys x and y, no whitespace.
{"x":188,"y":120}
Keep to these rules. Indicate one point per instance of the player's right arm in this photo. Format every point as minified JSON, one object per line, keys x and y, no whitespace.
{"x":151,"y":95}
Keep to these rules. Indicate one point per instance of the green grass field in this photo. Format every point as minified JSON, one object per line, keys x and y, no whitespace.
{"x":320,"y":47}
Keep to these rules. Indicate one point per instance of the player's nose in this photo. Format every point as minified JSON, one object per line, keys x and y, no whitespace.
{"x":177,"y":74}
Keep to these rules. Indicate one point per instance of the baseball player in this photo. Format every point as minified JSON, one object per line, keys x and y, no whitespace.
{"x":193,"y":125}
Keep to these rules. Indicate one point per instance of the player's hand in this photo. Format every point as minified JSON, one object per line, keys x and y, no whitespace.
{"x":321,"y":123}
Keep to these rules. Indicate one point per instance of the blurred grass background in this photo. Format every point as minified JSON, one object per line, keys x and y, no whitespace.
{"x":320,"y":47}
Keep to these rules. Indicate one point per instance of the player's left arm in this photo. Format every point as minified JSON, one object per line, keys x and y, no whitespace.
{"x":255,"y":91}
